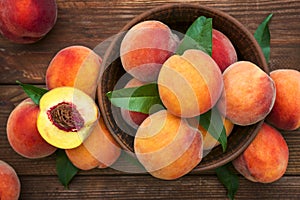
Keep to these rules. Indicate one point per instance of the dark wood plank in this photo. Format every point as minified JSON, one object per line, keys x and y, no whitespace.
{"x":91,"y":22}
{"x":146,"y":187}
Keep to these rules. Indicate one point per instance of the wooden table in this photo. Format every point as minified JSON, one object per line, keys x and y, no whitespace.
{"x":91,"y":22}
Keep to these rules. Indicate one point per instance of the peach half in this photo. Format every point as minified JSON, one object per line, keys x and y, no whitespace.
{"x":265,"y":160}
{"x":191,"y":84}
{"x":285,"y":113}
{"x":10,"y":185}
{"x":75,"y":66}
{"x":98,"y":150}
{"x":167,"y":146}
{"x":22,"y":133}
{"x":145,"y":47}
{"x":249,"y":93}
{"x":67,"y":116}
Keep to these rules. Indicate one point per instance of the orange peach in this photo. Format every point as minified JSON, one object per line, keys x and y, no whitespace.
{"x":167,"y":146}
{"x":249,"y":93}
{"x":191,"y":84}
{"x":285,"y":114}
{"x":141,"y":55}
{"x":134,"y":119}
{"x":10,"y":185}
{"x":74,"y":66}
{"x":27,"y":21}
{"x":22,"y":132}
{"x":265,"y":160}
{"x":98,"y":150}
{"x":223,"y":52}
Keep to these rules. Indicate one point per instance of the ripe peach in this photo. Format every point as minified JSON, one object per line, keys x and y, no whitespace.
{"x":141,"y":55}
{"x":22,"y":132}
{"x":134,"y":119}
{"x":223,"y":52}
{"x":27,"y":21}
{"x":74,"y":66}
{"x":286,"y":110}
{"x":167,"y":146}
{"x":265,"y":160}
{"x":248,"y":95}
{"x":191,"y":84}
{"x":67,"y":116}
{"x":98,"y":150}
{"x":10,"y":186}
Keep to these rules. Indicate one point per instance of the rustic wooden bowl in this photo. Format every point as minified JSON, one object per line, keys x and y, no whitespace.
{"x":179,"y":17}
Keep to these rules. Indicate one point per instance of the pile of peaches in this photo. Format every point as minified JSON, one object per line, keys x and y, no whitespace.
{"x":66,"y":116}
{"x":169,"y":143}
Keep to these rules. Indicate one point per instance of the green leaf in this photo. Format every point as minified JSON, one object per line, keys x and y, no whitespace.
{"x":64,"y":168}
{"x":212,"y":122}
{"x":138,"y":99}
{"x":228,"y":179}
{"x":262,"y":36}
{"x":198,"y":36}
{"x":35,"y":93}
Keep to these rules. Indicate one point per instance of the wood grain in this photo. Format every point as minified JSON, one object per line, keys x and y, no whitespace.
{"x":91,"y":22}
{"x":145,"y":187}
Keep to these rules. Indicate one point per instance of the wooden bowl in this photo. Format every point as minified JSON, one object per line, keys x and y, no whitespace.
{"x":179,"y":17}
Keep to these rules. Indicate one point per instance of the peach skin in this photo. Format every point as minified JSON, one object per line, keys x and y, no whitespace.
{"x":265,"y":160}
{"x":285,"y":113}
{"x":75,"y":66}
{"x":10,"y":185}
{"x":249,"y":94}
{"x":27,"y":21}
{"x":141,"y":55}
{"x":98,"y":150}
{"x":223,"y":52}
{"x":22,"y":133}
{"x":191,"y":84}
{"x":167,"y":146}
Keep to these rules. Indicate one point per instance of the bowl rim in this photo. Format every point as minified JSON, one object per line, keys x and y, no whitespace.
{"x":264,"y":66}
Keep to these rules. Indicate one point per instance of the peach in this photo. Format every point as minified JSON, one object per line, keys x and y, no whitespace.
{"x":191,"y":84}
{"x":74,"y":66}
{"x":27,"y":21}
{"x":285,"y":114}
{"x":141,"y":55}
{"x":22,"y":133}
{"x":10,"y":185}
{"x":67,"y":117}
{"x":167,"y":146}
{"x":134,"y":119}
{"x":223,"y":52}
{"x":265,"y":160}
{"x":98,"y":150}
{"x":248,"y":95}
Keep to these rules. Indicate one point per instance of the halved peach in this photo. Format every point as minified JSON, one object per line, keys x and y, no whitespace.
{"x":67,"y":116}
